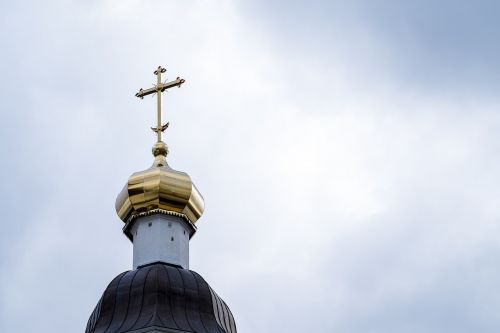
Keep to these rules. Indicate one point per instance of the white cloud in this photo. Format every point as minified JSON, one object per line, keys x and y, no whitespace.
{"x":336,"y":200}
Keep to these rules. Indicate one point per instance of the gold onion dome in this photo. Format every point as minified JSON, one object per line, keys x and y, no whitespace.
{"x":159,"y":189}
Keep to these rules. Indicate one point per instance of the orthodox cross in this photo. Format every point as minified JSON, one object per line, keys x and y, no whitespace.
{"x":157,"y":89}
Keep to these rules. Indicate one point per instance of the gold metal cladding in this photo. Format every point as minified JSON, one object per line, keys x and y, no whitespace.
{"x":157,"y":89}
{"x":160,"y":187}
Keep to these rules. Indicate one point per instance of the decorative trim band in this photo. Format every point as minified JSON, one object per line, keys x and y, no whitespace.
{"x":133,"y":217}
{"x":157,"y":211}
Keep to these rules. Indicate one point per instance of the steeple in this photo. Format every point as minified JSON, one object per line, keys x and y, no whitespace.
{"x":160,"y":207}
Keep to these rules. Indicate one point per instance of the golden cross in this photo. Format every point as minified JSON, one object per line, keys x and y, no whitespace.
{"x":157,"y":89}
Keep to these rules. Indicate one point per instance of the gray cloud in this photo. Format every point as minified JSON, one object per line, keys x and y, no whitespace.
{"x":343,"y":192}
{"x":444,"y":47}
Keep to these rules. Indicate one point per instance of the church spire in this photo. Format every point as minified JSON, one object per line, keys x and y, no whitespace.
{"x":164,"y":200}
{"x":160,"y":207}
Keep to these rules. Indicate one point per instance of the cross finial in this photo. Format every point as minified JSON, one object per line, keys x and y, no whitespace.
{"x":157,"y":89}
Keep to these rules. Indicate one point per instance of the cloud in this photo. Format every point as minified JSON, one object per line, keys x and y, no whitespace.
{"x":341,"y":192}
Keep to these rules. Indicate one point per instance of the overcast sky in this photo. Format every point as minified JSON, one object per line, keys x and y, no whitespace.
{"x":348,"y":153}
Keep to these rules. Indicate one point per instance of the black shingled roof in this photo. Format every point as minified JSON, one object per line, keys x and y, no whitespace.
{"x":161,"y":297}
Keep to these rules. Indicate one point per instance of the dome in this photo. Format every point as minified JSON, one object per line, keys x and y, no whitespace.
{"x":159,"y":189}
{"x":160,"y":297}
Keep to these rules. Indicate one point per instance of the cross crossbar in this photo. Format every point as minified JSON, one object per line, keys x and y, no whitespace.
{"x":161,"y":87}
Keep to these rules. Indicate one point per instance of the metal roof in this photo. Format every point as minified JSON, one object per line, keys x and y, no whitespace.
{"x":161,"y":297}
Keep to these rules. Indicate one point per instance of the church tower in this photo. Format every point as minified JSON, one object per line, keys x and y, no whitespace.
{"x":160,"y":207}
